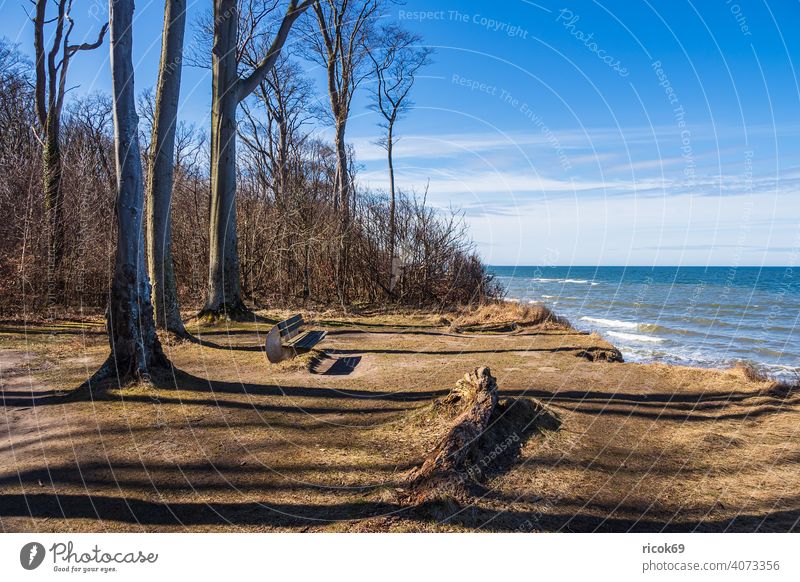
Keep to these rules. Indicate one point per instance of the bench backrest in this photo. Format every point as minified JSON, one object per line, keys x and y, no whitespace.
{"x":289,"y":328}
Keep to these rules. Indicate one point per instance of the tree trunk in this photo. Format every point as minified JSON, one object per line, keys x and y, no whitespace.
{"x":224,"y":292}
{"x":135,"y":349}
{"x":392,"y":227}
{"x":343,"y":199}
{"x":54,"y":210}
{"x":159,"y":191}
{"x":342,"y":175}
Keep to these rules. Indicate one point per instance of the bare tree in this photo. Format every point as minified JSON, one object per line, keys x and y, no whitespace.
{"x":51,"y":80}
{"x":272,"y":131}
{"x":135,"y":349}
{"x":224,"y":298}
{"x":396,"y":59}
{"x":161,"y":169}
{"x":345,"y":28}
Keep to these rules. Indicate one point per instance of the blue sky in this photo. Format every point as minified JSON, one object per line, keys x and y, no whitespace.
{"x":612,"y":133}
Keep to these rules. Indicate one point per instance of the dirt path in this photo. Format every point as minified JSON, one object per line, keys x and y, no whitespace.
{"x":231,"y":443}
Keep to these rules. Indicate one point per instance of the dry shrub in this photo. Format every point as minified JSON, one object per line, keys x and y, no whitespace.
{"x":507,"y":316}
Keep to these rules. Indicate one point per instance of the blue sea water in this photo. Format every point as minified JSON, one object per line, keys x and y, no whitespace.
{"x":698,"y":316}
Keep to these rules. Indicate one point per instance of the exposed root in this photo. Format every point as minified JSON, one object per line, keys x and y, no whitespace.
{"x":485,"y":437}
{"x":107,"y":378}
{"x":233,"y":311}
{"x":175,"y":338}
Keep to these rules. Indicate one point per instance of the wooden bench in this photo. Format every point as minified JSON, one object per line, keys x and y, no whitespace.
{"x":287,"y":338}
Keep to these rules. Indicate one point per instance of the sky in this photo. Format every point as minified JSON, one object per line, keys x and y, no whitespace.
{"x":636,"y":132}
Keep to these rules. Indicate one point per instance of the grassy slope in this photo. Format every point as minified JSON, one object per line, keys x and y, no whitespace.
{"x":231,"y":443}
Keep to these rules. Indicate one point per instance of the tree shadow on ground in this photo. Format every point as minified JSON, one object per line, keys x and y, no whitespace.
{"x":677,"y":406}
{"x":151,"y":514}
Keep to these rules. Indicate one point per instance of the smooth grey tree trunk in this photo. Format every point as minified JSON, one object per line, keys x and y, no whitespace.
{"x":160,"y":179}
{"x":342,"y":176}
{"x":135,"y":349}
{"x":224,"y":292}
{"x":224,"y":299}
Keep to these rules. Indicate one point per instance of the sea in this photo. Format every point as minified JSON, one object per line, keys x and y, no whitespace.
{"x":696,"y":316}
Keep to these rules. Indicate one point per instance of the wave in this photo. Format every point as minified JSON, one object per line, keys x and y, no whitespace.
{"x":635,"y":337}
{"x":575,"y":281}
{"x":610,"y":322}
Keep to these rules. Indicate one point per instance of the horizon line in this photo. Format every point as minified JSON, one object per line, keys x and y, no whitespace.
{"x":653,"y":266}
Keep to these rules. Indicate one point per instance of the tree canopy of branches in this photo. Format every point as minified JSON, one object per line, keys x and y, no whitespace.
{"x":289,"y":246}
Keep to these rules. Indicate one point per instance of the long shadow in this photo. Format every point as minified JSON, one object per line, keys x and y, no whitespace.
{"x":425,"y":352}
{"x":628,"y":398}
{"x":207,"y":344}
{"x":355,"y":324}
{"x":187,"y":381}
{"x":663,"y":406}
{"x":534,"y":332}
{"x":343,"y":366}
{"x":232,"y":332}
{"x":200,"y":477}
{"x":583,"y":522}
{"x":35,"y":331}
{"x":237,"y":405}
{"x":150,"y":513}
{"x":22,"y":399}
{"x":63,"y":440}
{"x":335,"y":332}
{"x":181,"y":380}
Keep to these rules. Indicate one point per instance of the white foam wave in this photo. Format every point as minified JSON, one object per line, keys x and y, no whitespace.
{"x":610,"y":322}
{"x":635,"y":337}
{"x":575,"y":281}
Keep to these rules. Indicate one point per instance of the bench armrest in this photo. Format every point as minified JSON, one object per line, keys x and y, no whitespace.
{"x":273,"y":345}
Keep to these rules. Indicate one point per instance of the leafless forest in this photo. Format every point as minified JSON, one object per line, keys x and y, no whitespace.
{"x":255,"y":210}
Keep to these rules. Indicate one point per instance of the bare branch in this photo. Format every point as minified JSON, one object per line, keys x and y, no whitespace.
{"x":247,"y":85}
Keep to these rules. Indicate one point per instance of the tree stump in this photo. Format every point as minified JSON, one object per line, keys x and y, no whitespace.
{"x":442,"y":474}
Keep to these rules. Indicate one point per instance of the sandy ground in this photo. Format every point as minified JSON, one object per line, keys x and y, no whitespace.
{"x":231,"y":443}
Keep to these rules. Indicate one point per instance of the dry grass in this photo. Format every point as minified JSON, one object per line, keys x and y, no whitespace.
{"x":750,"y":372}
{"x":232,"y":443}
{"x":507,"y":315}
